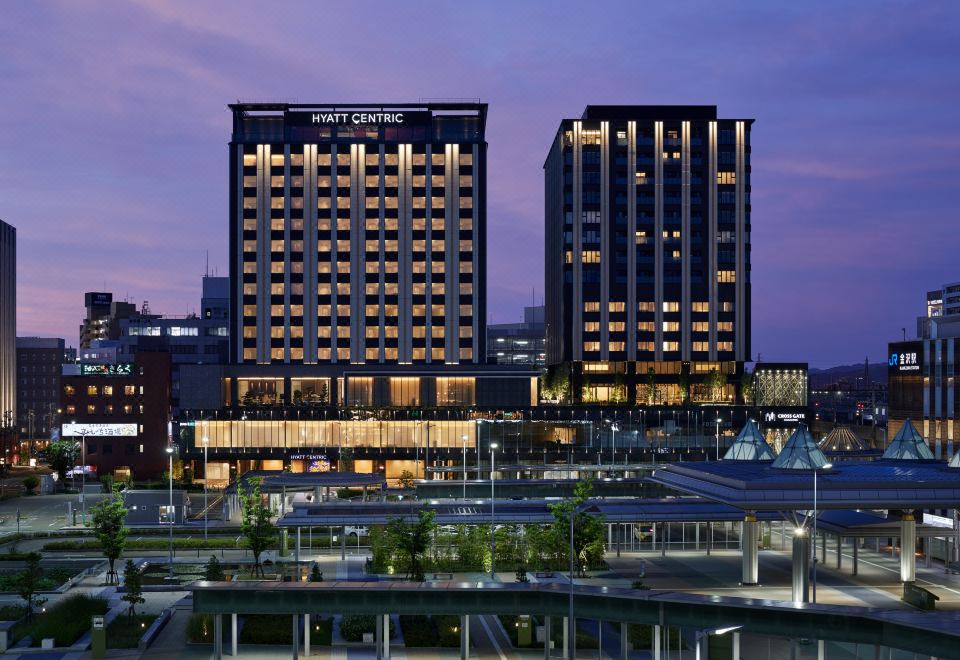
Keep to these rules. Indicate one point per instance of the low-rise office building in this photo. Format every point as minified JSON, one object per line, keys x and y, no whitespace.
{"x":39,"y":365}
{"x":519,"y":343}
{"x":119,"y":413}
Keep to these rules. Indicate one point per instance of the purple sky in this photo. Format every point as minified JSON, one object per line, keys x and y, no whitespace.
{"x":113,"y":133}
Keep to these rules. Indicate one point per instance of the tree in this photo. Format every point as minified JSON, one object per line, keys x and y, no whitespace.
{"x":684,"y":384}
{"x":651,"y":386}
{"x":256,"y":523}
{"x":746,"y":387}
{"x":28,"y":582}
{"x":30,"y":484}
{"x":61,"y":456}
{"x":556,"y":382}
{"x":413,"y":540}
{"x":109,"y":518}
{"x":316,"y":575}
{"x":406,"y":480}
{"x":715,"y":382}
{"x":346,"y":460}
{"x":213,"y":570}
{"x":133,"y":583}
{"x":587,"y":529}
{"x":618,"y":393}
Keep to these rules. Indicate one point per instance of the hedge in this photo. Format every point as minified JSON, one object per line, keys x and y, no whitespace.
{"x":66,"y":621}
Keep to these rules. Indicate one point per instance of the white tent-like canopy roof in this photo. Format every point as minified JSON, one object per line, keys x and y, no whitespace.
{"x":800,"y":452}
{"x":749,"y":445}
{"x":908,"y":445}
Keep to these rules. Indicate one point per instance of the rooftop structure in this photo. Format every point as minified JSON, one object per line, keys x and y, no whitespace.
{"x":749,"y":445}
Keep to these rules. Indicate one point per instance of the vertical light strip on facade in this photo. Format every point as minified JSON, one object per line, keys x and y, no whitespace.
{"x":381,"y":254}
{"x":335,"y":265}
{"x":685,"y":241}
{"x":310,"y":243}
{"x":358,"y":254}
{"x":606,"y":244}
{"x":658,"y":236}
{"x":286,"y":255}
{"x":577,"y":315}
{"x":711,"y":267}
{"x":405,"y":254}
{"x":479,"y":209}
{"x":263,"y":253}
{"x":428,"y":267}
{"x":631,"y":240}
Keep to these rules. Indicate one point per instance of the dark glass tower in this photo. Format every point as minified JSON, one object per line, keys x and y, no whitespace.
{"x":648,"y":244}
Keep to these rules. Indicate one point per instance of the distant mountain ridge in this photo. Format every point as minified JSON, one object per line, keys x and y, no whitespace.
{"x":849,"y":373}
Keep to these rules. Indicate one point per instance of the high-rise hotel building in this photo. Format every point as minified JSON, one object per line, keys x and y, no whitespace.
{"x":648,"y":248}
{"x":357,"y":233}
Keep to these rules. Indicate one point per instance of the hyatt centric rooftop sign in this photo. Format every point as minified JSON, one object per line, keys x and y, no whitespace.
{"x":357,"y":118}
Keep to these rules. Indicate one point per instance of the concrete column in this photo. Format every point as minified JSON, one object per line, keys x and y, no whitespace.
{"x":820,"y":650}
{"x":663,"y":543}
{"x":306,"y":635}
{"x":823,"y":548}
{"x":546,"y":638}
{"x":696,"y":535}
{"x":749,"y":552}
{"x":378,"y":637}
{"x":709,"y":537}
{"x":464,"y":636}
{"x":296,"y":636}
{"x":566,"y":639}
{"x":839,"y":551}
{"x":624,"y":642}
{"x":657,"y":651}
{"x":927,"y":550}
{"x":233,"y":634}
{"x":217,"y":638}
{"x":343,"y":543}
{"x":736,"y":645}
{"x":296,"y":555}
{"x":801,"y":567}
{"x":856,"y":549}
{"x":908,"y":545}
{"x":619,"y":534}
{"x":700,"y":647}
{"x":386,"y":637}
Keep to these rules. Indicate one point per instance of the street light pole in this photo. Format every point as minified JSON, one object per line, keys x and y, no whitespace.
{"x":206,"y":442}
{"x":171,"y":448}
{"x":493,"y":546}
{"x":718,"y":438}
{"x":826,"y":466}
{"x":83,"y":479}
{"x":463,"y":438}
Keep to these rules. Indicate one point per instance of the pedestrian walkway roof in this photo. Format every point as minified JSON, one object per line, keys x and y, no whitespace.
{"x":759,"y":486}
{"x":274,"y":481}
{"x":927,"y":633}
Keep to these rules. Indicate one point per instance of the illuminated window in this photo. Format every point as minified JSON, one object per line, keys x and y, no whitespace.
{"x":646,"y":307}
{"x":724,"y":345}
{"x":642,"y":178}
{"x":616,"y":326}
{"x":373,"y":353}
{"x":671,"y":346}
{"x":591,"y":307}
{"x":671,"y":326}
{"x":646,"y":326}
{"x":726,"y":178}
{"x":591,"y":326}
{"x":436,"y":354}
{"x":91,"y":390}
{"x":726,"y":276}
{"x":642,"y":238}
{"x":701,"y":326}
{"x":671,"y":306}
{"x":590,"y":256}
{"x":249,"y":160}
{"x":701,"y":346}
{"x":591,"y":346}
{"x":617,"y":346}
{"x":726,"y":307}
{"x":725,"y":326}
{"x":701,"y":307}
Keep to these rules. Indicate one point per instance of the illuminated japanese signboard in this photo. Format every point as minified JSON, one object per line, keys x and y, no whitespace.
{"x":106,"y":369}
{"x":100,"y":430}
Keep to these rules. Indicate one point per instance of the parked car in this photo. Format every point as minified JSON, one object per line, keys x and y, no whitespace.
{"x":81,"y":470}
{"x":356,"y":531}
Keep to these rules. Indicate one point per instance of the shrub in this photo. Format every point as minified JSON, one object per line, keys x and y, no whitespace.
{"x":418,"y":630}
{"x":213,"y":571}
{"x":353,"y":626}
{"x":448,"y":629}
{"x":267,"y":629}
{"x":30,"y":484}
{"x":125,"y":633}
{"x":66,"y":621}
{"x":200,"y":629}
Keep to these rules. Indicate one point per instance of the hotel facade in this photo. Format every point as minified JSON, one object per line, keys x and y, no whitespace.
{"x":647,"y":253}
{"x":358,"y":234}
